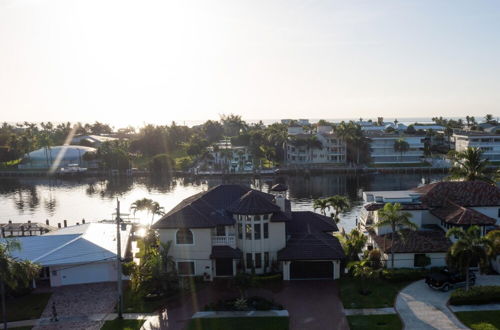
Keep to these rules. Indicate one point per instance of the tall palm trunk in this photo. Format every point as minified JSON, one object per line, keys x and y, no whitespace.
{"x":4,"y":311}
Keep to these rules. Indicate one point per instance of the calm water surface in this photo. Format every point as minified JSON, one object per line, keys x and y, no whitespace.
{"x":95,"y":199}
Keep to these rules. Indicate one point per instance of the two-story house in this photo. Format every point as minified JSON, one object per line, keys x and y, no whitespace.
{"x":434,"y":208}
{"x":232,"y":228}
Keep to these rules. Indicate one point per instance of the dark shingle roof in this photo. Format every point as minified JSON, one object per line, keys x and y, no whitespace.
{"x":311,"y":246}
{"x":418,"y":241}
{"x":279,"y":187}
{"x":464,"y":193}
{"x":225,"y":251}
{"x":459,"y":215}
{"x":253,"y":202}
{"x":311,"y":238}
{"x":207,"y":209}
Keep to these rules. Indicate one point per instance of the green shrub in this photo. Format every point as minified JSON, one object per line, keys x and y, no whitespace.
{"x":477,"y":295}
{"x":403,"y":274}
{"x":269,"y":278}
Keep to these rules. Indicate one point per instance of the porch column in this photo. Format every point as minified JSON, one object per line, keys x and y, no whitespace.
{"x":286,"y":270}
{"x":234,"y":266}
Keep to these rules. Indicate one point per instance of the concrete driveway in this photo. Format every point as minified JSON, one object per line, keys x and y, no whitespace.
{"x":421,"y":307}
{"x":312,"y":305}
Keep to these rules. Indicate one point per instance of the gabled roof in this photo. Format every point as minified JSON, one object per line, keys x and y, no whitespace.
{"x":207,"y":209}
{"x":91,"y":242}
{"x":253,"y":202}
{"x":464,"y":193}
{"x":455,"y":214}
{"x":310,"y":238}
{"x":413,"y":241}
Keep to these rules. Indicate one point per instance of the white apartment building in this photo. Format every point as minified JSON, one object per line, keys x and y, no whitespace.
{"x":300,"y":149}
{"x":382,"y":148}
{"x":489,"y":143}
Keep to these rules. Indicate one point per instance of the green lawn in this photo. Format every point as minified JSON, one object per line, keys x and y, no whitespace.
{"x":123,"y":325}
{"x":239,"y":323}
{"x":133,"y":303}
{"x":27,"y":307}
{"x":383,"y":293}
{"x":386,"y":322}
{"x":484,"y":320}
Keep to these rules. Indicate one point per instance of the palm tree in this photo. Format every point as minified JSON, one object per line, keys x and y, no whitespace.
{"x":340,"y":204}
{"x":469,"y":247}
{"x":148,"y":205}
{"x":469,"y":165}
{"x":156,"y":209}
{"x":362,"y":271}
{"x":322,"y":204}
{"x":14,"y":273}
{"x":401,"y":146}
{"x":352,"y":243}
{"x":391,"y":215}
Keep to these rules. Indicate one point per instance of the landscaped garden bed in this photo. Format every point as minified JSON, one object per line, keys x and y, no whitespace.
{"x":244,"y":304}
{"x":27,"y":307}
{"x":239,"y":323}
{"x":477,"y":295}
{"x":118,"y":324}
{"x":481,"y":320}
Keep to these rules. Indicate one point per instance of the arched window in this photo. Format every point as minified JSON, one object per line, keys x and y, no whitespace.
{"x":184,"y":236}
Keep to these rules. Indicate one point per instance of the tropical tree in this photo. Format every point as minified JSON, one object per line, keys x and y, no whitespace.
{"x":391,"y":215}
{"x":148,"y":205}
{"x":352,"y":243}
{"x":339,"y":204}
{"x":469,"y":165}
{"x":470,"y":247}
{"x":322,"y":204}
{"x":362,"y":271}
{"x":14,"y":273}
{"x":401,"y":146}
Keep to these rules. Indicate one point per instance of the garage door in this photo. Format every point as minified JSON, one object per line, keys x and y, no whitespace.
{"x":90,"y":273}
{"x":301,"y":270}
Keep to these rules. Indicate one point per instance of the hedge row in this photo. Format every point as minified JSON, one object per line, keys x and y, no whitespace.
{"x":477,"y":295}
{"x":404,"y":274}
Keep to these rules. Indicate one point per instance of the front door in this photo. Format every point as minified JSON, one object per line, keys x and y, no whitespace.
{"x":224,"y":267}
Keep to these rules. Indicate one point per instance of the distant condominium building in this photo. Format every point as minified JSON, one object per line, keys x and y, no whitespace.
{"x":489,"y":143}
{"x":383,"y":149}
{"x":321,"y":146}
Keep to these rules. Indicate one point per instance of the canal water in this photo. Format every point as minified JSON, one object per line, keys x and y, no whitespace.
{"x":92,"y":199}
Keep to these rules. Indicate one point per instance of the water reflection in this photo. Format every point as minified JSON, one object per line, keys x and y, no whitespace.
{"x":94,"y":199}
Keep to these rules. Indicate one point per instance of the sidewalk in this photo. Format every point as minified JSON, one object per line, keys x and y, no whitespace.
{"x":370,"y":311}
{"x":149,"y":317}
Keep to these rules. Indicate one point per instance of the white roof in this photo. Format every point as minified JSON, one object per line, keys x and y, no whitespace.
{"x":393,"y":193}
{"x":91,"y":242}
{"x":68,"y":152}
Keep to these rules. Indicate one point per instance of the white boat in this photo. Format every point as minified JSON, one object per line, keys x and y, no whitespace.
{"x":72,"y":169}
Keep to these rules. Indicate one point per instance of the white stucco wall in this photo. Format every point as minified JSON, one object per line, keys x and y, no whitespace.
{"x":406,"y":260}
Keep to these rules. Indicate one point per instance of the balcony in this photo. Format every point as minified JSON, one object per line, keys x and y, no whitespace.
{"x":224,"y":240}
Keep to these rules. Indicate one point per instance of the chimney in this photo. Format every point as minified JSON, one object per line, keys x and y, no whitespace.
{"x":10,"y":222}
{"x":281,"y":202}
{"x":77,"y":223}
{"x":22,"y":230}
{"x":83,"y":221}
{"x":58,"y":225}
{"x":29,"y":222}
{"x":47,"y":222}
{"x":65,"y":223}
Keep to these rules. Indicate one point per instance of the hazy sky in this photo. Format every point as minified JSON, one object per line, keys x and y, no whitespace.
{"x":155,"y":61}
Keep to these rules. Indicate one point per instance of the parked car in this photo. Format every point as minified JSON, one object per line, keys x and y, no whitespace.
{"x":446,"y":280}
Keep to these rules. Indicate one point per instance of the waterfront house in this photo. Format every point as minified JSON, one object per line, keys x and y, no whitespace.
{"x":319,"y":146}
{"x":383,"y":151}
{"x":76,"y":254}
{"x":94,"y":141}
{"x":434,"y":208}
{"x":489,"y":143}
{"x":228,"y":157}
{"x":233,"y":228}
{"x":44,"y":158}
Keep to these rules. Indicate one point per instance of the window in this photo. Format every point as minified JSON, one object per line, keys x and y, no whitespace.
{"x":184,"y":236}
{"x":240,"y":231}
{"x":256,"y":233}
{"x":220,"y":230}
{"x":266,"y":230}
{"x":249,"y":260}
{"x":258,"y":260}
{"x":248,"y":231}
{"x":185,"y":267}
{"x":266,"y":259}
{"x":266,"y":217}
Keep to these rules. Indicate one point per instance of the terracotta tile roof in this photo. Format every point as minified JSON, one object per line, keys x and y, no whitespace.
{"x":405,"y":206}
{"x":418,"y":241}
{"x":455,"y":214}
{"x":464,"y":193}
{"x":225,"y":251}
{"x":253,"y":202}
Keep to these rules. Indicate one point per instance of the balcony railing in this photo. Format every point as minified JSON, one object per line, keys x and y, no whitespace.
{"x":224,"y":240}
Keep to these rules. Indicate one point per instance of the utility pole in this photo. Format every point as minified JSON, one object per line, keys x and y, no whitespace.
{"x":119,"y":261}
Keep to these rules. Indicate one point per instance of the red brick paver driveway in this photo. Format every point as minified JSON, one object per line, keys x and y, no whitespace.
{"x":313,"y":305}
